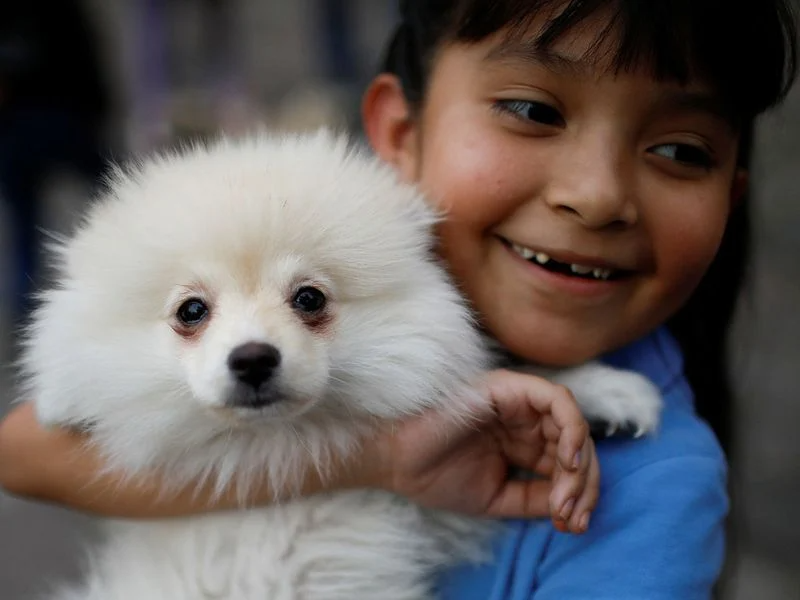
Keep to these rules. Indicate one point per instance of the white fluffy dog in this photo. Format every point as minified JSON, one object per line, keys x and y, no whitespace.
{"x":239,"y":311}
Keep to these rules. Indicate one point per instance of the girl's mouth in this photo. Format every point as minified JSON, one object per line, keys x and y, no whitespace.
{"x":571,"y":269}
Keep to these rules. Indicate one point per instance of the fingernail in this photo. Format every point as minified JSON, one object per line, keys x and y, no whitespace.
{"x":584,"y":522}
{"x":566,"y":510}
{"x":576,"y":462}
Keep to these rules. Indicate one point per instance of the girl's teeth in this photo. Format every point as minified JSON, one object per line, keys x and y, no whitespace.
{"x":601,"y":273}
{"x":524,"y":252}
{"x":543,"y":259}
{"x":596,"y":273}
{"x":581,"y":270}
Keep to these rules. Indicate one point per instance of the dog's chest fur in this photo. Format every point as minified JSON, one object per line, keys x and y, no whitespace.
{"x":341,"y":546}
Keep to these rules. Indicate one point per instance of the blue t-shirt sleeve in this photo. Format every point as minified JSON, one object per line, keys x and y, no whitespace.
{"x":658,"y":534}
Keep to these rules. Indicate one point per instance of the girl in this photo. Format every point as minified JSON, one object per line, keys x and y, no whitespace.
{"x":591,"y":155}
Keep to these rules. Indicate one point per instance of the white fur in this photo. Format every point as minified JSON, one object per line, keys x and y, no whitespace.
{"x":243,"y":225}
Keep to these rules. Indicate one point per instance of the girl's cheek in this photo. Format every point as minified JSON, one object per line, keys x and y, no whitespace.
{"x":473,"y":184}
{"x":686,"y":251}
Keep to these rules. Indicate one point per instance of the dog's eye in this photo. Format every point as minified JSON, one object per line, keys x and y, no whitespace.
{"x":192,"y":312}
{"x":309,"y":300}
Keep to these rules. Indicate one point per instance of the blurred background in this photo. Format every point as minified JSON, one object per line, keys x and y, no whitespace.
{"x":115,"y":77}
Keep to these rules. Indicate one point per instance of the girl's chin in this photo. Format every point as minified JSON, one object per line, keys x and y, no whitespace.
{"x":553,"y":349}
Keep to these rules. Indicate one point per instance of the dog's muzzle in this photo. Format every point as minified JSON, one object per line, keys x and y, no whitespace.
{"x":254,"y":366}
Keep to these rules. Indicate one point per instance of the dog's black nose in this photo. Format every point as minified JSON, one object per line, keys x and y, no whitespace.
{"x":254,"y":363}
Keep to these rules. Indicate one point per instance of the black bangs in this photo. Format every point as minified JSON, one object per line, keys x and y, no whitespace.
{"x":746,"y":49}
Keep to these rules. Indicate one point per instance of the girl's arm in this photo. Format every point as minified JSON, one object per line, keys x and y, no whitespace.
{"x":432,"y":459}
{"x":59,"y":466}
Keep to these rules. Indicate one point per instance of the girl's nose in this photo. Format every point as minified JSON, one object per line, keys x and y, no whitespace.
{"x":592,"y":183}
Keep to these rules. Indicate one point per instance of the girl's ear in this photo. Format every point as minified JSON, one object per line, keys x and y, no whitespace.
{"x":389,"y":125}
{"x":741,"y":181}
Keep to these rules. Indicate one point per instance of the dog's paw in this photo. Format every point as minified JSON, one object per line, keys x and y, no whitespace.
{"x":624,"y":402}
{"x":619,"y":401}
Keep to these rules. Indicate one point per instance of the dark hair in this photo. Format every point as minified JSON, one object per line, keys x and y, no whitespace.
{"x":746,"y":49}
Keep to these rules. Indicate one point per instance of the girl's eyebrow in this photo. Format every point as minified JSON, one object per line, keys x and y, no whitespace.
{"x":529,"y":52}
{"x":698,"y":101}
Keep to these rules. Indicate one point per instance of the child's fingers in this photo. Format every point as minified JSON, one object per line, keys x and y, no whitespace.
{"x":569,"y":486}
{"x":506,"y":389}
{"x":522,"y":401}
{"x":522,"y":500}
{"x":587,"y":501}
{"x":510,"y":390}
{"x":569,"y":441}
{"x":546,"y":464}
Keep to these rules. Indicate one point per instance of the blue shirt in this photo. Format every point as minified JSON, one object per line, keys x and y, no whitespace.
{"x":658,"y":530}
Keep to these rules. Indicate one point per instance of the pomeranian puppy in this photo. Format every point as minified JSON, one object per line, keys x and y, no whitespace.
{"x":240,"y":311}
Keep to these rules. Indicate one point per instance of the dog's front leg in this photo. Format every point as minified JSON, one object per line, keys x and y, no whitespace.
{"x":611,"y":399}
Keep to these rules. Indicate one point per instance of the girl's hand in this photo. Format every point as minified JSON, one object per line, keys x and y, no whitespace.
{"x":529,"y":423}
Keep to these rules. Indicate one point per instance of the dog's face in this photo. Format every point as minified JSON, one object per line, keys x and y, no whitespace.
{"x":269,"y":281}
{"x":253,"y":336}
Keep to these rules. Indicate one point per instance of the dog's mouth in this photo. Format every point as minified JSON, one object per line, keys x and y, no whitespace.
{"x":255,"y":399}
{"x":244,"y":409}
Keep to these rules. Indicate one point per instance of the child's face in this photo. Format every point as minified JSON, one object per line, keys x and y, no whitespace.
{"x":548,"y":155}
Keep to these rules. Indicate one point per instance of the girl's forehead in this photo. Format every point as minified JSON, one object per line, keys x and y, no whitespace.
{"x":590,"y":51}
{"x":581,"y":55}
{"x":595,"y":45}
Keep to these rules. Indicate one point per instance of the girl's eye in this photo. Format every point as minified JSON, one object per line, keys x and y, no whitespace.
{"x":686,"y":154}
{"x":538,"y":112}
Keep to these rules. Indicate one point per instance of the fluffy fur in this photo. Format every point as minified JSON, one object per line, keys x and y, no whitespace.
{"x":243,"y":227}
